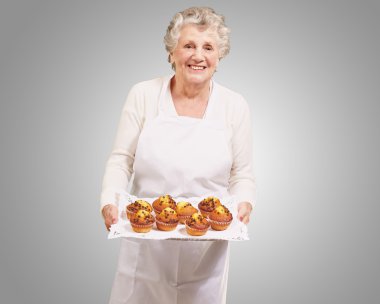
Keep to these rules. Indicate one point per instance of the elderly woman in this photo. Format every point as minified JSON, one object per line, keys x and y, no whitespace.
{"x":187,"y":136}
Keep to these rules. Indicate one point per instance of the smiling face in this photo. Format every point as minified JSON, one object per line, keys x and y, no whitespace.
{"x":196,"y":55}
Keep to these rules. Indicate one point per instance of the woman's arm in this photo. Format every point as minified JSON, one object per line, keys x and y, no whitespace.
{"x":242,"y":182}
{"x":119,"y":167}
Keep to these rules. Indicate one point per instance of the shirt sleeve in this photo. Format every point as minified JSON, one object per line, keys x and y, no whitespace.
{"x":242,"y":182}
{"x":119,"y":167}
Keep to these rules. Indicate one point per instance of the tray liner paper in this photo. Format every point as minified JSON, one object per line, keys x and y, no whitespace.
{"x":237,"y":231}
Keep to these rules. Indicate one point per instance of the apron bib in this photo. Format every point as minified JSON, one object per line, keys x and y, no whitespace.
{"x":184,"y":157}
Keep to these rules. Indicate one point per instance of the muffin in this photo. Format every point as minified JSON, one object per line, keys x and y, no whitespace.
{"x":162,"y":202}
{"x":207,"y":205}
{"x":142,"y":221}
{"x":136,"y":206}
{"x":167,"y":220}
{"x":185,"y":210}
{"x":197,"y":224}
{"x":220,"y":218}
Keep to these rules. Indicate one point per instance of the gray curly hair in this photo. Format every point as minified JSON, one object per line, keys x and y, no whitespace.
{"x":204,"y":16}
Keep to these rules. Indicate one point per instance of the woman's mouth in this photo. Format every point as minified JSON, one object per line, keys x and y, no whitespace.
{"x":196,"y":67}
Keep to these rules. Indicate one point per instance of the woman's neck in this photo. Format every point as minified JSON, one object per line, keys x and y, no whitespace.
{"x":189,"y":91}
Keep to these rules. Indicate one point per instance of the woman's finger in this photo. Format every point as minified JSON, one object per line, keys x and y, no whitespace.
{"x":114,"y":215}
{"x":110,"y":214}
{"x":244,"y":212}
{"x":245,"y":219}
{"x":108,"y":222}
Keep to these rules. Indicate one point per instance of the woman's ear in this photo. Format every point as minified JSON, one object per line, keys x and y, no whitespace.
{"x":171,"y":61}
{"x":170,"y":58}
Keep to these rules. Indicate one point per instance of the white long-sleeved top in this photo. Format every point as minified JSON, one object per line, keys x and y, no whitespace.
{"x":142,"y":105}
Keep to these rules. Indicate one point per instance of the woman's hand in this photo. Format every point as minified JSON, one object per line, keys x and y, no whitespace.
{"x":244,"y":211}
{"x":110,"y":215}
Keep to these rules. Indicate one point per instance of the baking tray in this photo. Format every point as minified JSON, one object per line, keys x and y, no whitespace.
{"x":237,"y":231}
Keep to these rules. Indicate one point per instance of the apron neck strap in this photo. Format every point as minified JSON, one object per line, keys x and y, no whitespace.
{"x":164,"y":89}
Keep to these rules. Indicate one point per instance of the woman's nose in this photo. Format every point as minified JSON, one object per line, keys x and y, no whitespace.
{"x":198,"y":55}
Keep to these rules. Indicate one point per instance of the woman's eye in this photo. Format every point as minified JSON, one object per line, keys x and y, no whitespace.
{"x":208,"y":48}
{"x":188,"y":46}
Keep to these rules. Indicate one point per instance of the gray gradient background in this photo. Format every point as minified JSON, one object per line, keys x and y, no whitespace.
{"x":310,"y":72}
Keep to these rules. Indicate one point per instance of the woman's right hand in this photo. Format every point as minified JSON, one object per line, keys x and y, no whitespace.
{"x":110,"y":215}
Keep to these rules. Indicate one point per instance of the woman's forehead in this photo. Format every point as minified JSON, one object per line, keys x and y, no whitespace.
{"x":197,"y":32}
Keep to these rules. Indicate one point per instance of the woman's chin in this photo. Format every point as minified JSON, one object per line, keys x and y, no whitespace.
{"x":197,"y":79}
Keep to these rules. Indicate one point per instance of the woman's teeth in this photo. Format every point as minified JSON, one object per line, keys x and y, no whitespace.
{"x":197,"y":67}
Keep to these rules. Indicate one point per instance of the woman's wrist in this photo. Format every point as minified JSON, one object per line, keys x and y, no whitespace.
{"x":248,"y":205}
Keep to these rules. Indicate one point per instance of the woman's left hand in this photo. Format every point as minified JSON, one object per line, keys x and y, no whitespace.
{"x":244,"y":211}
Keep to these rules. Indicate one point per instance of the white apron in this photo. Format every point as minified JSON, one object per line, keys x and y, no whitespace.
{"x":183,"y":157}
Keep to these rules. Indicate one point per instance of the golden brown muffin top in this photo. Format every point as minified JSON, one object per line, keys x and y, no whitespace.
{"x":139,"y":205}
{"x":197,"y":221}
{"x":168,"y":215}
{"x":209,"y":203}
{"x":185,"y":208}
{"x":164,"y":201}
{"x":221,"y":213}
{"x":142,"y":217}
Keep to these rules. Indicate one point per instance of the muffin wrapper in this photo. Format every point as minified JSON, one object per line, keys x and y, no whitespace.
{"x":219,"y":226}
{"x":166,"y":224}
{"x":169,"y":225}
{"x":195,"y":229}
{"x":220,"y":223}
{"x":142,"y":226}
